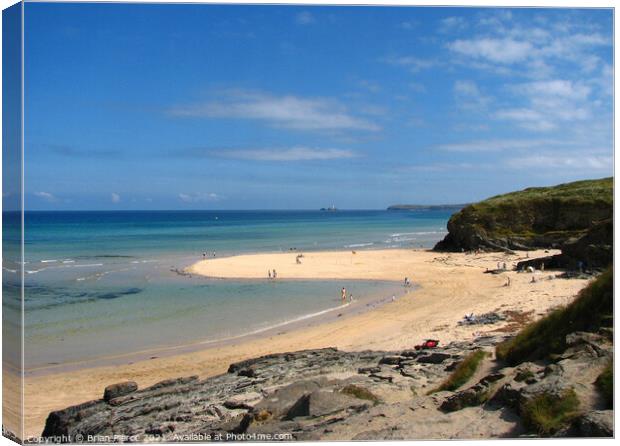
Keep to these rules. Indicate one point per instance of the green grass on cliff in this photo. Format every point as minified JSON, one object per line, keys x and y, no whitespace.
{"x":360,"y":393}
{"x":587,"y":190}
{"x":463,"y":372}
{"x":546,"y":413}
{"x":588,"y":312}
{"x":565,"y":210}
{"x":605,"y":385}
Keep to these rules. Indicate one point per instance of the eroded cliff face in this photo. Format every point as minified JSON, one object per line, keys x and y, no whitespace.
{"x":576,"y":217}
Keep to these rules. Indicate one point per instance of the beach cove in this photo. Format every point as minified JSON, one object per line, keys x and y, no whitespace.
{"x":448,"y":287}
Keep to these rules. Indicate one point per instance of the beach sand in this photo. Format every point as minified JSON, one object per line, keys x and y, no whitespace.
{"x":450,"y":285}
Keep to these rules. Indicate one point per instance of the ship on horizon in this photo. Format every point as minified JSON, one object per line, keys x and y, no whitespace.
{"x":332,"y":208}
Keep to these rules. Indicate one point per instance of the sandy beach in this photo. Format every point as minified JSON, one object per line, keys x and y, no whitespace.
{"x":448,"y":287}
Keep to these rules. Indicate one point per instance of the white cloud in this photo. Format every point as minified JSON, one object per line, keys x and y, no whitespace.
{"x":51,"y":198}
{"x":408,"y":25}
{"x":438,"y":167}
{"x":527,"y":118}
{"x":371,"y":86}
{"x":496,"y":145}
{"x":198,"y":197}
{"x":560,"y":88}
{"x":413,"y":63}
{"x":560,"y":161}
{"x":503,"y":51}
{"x":292,"y":154}
{"x":116,"y":198}
{"x":468,"y":95}
{"x":305,"y":18}
{"x":283,"y":111}
{"x":504,"y":42}
{"x":452,"y":24}
{"x":550,"y":103}
{"x":417,"y":87}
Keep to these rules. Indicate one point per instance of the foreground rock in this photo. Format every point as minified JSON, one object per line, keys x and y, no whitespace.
{"x":310,"y":394}
{"x":327,"y":394}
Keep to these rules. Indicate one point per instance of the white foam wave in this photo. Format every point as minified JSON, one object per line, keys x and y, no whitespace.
{"x":401,"y":234}
{"x":358,"y":245}
{"x":280,"y":324}
{"x":49,"y":261}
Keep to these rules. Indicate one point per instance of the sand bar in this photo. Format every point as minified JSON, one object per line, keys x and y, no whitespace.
{"x":450,"y":285}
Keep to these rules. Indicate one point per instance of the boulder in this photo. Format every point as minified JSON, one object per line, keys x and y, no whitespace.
{"x":282,"y":400}
{"x":597,"y":423}
{"x":243,"y":401}
{"x":320,"y":403}
{"x":367,"y":370}
{"x":473,"y":396}
{"x":391,"y":360}
{"x":119,"y":389}
{"x":434,"y":358}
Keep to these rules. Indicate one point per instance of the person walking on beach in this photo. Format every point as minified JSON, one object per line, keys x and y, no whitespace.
{"x":269,"y":273}
{"x":274,"y":273}
{"x":344,"y":295}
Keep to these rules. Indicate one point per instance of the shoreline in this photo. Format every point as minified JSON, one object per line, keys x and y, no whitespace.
{"x":314,"y":319}
{"x":450,"y":285}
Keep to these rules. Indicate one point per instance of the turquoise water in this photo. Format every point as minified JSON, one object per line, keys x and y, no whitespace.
{"x":106,"y":283}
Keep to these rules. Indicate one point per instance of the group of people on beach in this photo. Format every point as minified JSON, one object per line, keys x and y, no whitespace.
{"x":272,"y":274}
{"x":343,"y":295}
{"x":207,"y":254}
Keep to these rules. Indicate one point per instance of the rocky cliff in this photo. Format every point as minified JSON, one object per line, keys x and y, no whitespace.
{"x":574,"y":216}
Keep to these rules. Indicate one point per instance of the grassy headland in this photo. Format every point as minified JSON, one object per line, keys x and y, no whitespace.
{"x":534,"y":217}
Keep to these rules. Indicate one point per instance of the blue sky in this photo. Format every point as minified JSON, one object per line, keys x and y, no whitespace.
{"x":251,"y":107}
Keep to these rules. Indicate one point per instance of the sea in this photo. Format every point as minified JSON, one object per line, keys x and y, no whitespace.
{"x":106,"y":284}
